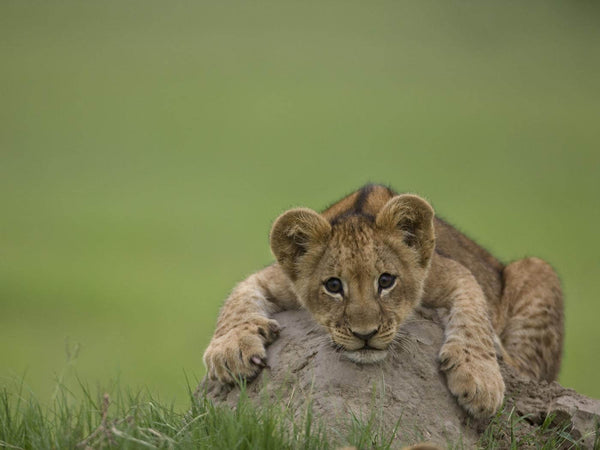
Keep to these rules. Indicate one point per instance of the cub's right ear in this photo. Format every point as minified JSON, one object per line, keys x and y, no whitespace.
{"x":294,"y":234}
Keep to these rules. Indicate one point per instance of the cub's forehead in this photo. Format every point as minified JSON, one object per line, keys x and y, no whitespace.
{"x":354,"y":232}
{"x":355,"y":241}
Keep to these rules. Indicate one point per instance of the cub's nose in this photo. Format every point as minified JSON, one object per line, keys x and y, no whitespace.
{"x":365,"y":336}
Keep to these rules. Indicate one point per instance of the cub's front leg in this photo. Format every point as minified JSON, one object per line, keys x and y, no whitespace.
{"x":237,"y":349}
{"x":468,"y":355}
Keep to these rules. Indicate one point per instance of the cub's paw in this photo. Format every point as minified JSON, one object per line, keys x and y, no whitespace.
{"x":474,"y":378}
{"x":240,"y":352}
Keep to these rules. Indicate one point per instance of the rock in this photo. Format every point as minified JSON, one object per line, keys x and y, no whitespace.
{"x":580,"y":413}
{"x":406,"y":390}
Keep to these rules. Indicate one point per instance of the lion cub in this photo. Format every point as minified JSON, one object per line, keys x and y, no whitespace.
{"x":364,"y":264}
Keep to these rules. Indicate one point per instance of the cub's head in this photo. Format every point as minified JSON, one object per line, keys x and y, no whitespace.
{"x":360,"y":276}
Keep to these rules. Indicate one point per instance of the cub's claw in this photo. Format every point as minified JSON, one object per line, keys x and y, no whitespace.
{"x":446,"y":363}
{"x":269,"y":330}
{"x":259,"y":361}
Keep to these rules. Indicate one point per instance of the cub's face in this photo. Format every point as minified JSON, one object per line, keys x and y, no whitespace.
{"x":360,"y":276}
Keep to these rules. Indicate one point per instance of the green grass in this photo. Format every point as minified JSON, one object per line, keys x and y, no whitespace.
{"x":146,"y":148}
{"x":136,"y":419}
{"x":119,"y":417}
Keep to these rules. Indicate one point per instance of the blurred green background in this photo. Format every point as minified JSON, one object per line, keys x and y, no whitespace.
{"x":146,"y":148}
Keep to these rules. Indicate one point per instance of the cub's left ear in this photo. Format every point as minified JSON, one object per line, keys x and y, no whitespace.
{"x":411,"y":217}
{"x":294,"y":234}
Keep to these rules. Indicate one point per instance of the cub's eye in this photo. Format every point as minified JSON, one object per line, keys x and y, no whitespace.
{"x":334,"y":285}
{"x":386,"y":281}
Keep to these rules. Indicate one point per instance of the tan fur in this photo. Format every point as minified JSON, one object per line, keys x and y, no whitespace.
{"x":514,"y":310}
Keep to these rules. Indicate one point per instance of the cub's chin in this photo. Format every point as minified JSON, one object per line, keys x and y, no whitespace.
{"x":366,"y":356}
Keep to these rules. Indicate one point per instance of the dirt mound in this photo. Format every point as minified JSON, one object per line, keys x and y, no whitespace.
{"x":407,"y":389}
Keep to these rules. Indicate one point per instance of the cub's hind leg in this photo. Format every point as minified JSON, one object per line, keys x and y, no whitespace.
{"x":532,"y":303}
